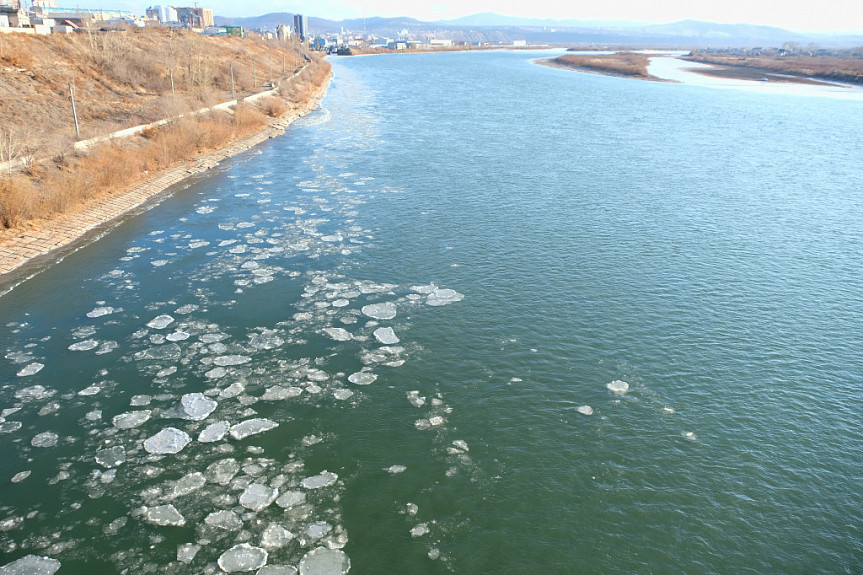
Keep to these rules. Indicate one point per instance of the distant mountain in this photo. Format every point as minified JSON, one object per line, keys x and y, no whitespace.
{"x":494,"y":28}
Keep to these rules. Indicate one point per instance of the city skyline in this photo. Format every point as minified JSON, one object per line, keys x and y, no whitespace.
{"x":829,"y":16}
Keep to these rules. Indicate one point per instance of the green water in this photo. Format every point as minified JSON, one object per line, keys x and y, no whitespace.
{"x":703,"y":246}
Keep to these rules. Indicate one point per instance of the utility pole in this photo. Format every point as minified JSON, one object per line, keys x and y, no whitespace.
{"x":254,"y":76}
{"x":172,"y":81}
{"x":232,"y":81}
{"x":74,"y":112}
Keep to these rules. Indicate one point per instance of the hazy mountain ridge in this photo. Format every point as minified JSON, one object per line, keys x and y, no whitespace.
{"x":490,"y":27}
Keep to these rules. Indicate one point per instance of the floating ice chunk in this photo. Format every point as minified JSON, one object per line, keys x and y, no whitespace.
{"x":341,"y":302}
{"x":338,"y":333}
{"x":362,"y":378}
{"x":131,"y":419}
{"x":689,"y":435}
{"x":107,"y":347}
{"x":167,"y":352}
{"x":258,"y":496}
{"x":584,"y":410}
{"x":189,"y":483}
{"x":31,"y":369}
{"x":232,"y":390}
{"x":100,"y":311}
{"x":169,"y":440}
{"x":424,"y":289}
{"x":45,"y":439}
{"x":242,"y":557}
{"x":618,"y":387}
{"x":186,"y":552}
{"x":196,"y":407}
{"x":434,"y":553}
{"x":34,"y":392}
{"x":342,"y":394}
{"x":420,"y":530}
{"x":290,"y":499}
{"x":110,"y":457}
{"x":165,"y":515}
{"x":216,"y":373}
{"x":253,"y":426}
{"x":415,"y":398}
{"x":394,"y":469}
{"x":158,"y":263}
{"x":228,"y":360}
{"x":90,"y":391}
{"x":160,"y":321}
{"x":214,"y":432}
{"x":10,"y":426}
{"x":668,"y":410}
{"x":441,"y":297}
{"x":85,"y":345}
{"x":178,"y":336}
{"x":318,"y":529}
{"x":461,"y":444}
{"x":224,"y":519}
{"x":140,"y":400}
{"x":265,"y":341}
{"x":275,"y":536}
{"x":167,"y":371}
{"x":386,"y":310}
{"x":199,"y":243}
{"x":186,"y":309}
{"x":20,"y":476}
{"x":386,"y":335}
{"x":412,"y":509}
{"x":323,"y":561}
{"x":31,"y":565}
{"x":323,"y":479}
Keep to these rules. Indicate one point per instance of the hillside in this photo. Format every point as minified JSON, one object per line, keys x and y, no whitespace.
{"x":120,"y":80}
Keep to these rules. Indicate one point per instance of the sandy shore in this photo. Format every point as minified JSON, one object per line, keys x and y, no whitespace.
{"x":25,"y":252}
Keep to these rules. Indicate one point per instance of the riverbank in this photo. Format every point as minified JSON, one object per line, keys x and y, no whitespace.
{"x":50,"y":240}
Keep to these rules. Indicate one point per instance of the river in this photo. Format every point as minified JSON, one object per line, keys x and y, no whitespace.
{"x":474,"y":315}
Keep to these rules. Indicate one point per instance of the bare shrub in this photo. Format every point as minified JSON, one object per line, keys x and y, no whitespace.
{"x":272,"y":106}
{"x":18,"y":199}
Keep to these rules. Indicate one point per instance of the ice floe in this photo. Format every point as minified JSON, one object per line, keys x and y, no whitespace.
{"x":324,"y":561}
{"x":441,"y":297}
{"x":164,"y":515}
{"x":386,"y":310}
{"x":100,"y":311}
{"x":229,"y":360}
{"x":362,"y":378}
{"x":31,"y":369}
{"x":131,"y":419}
{"x":618,"y":387}
{"x":257,"y":496}
{"x":85,"y":345}
{"x":160,"y":322}
{"x":214,"y":432}
{"x":31,"y":565}
{"x":45,"y":439}
{"x":110,"y":457}
{"x":584,"y":410}
{"x":291,"y":499}
{"x":275,"y":536}
{"x":195,"y":407}
{"x":242,"y":557}
{"x":394,"y":469}
{"x":323,"y":479}
{"x":420,"y":530}
{"x":189,"y":483}
{"x":224,"y":519}
{"x":186,"y":552}
{"x":386,"y":335}
{"x":168,"y":441}
{"x":338,"y":333}
{"x":20,"y":476}
{"x":253,"y":426}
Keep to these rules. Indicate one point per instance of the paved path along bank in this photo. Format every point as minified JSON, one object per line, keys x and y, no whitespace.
{"x":17,"y":248}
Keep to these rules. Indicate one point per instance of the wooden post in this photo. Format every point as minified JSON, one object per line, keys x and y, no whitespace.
{"x":254,"y":76}
{"x":172,"y":82}
{"x":74,"y":112}
{"x":232,"y":81}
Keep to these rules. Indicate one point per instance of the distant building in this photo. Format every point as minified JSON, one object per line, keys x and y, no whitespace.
{"x":195,"y":17}
{"x":301,"y":26}
{"x":12,"y":15}
{"x":45,"y":4}
{"x":283,"y":32}
{"x":164,"y":14}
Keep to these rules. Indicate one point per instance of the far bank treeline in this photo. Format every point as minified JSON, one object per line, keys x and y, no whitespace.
{"x":125,"y":79}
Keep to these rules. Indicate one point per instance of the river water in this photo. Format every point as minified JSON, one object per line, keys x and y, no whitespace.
{"x":397,"y":338}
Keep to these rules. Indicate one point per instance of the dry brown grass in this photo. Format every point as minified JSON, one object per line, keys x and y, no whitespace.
{"x":840,"y":68}
{"x":114,"y":92}
{"x":621,"y":63}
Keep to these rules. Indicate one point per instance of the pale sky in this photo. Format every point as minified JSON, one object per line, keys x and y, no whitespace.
{"x":809,"y":15}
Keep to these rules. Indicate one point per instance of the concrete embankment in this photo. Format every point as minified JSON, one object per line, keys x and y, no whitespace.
{"x":24,"y":252}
